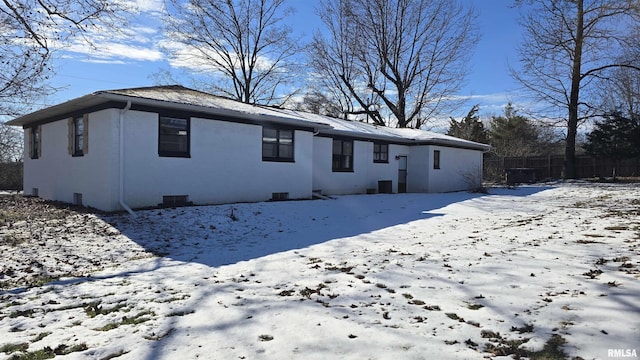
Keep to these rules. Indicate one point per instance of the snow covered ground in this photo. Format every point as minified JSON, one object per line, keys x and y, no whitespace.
{"x":550,"y":270}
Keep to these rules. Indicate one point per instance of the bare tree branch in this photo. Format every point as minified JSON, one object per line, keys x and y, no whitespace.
{"x":31,"y":31}
{"x":568,"y":43}
{"x":242,"y":46}
{"x":404,"y":57}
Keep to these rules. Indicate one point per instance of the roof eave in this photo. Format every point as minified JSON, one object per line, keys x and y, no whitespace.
{"x":408,"y":141}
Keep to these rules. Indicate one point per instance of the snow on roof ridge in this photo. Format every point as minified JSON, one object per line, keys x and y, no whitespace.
{"x":181,"y":95}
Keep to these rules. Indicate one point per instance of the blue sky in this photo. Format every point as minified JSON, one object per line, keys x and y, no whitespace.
{"x":129,"y":61}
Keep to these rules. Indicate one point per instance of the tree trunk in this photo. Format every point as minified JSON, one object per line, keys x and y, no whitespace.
{"x":572,"y":122}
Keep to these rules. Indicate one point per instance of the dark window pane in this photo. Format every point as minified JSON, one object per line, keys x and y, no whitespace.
{"x":174,"y":136}
{"x":277,"y":144}
{"x":269,"y":150}
{"x":347,"y":147}
{"x":337,"y":147}
{"x":286,"y":151}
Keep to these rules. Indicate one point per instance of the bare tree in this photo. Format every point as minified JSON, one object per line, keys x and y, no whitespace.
{"x":10,"y":144}
{"x":316,"y":102}
{"x":244,"y":44}
{"x":30,"y":31}
{"x":568,"y":45}
{"x":399,"y":62}
{"x":620,"y":88}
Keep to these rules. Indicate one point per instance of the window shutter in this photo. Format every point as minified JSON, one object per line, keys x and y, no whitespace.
{"x":39,"y":141}
{"x":30,"y":142}
{"x":70,"y":136}
{"x":85,"y":120}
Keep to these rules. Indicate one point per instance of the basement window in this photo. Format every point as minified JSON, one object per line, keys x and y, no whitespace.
{"x":175,"y":200}
{"x":279,"y":196}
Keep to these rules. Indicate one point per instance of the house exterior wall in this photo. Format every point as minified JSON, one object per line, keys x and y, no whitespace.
{"x":58,"y":175}
{"x":338,"y":183}
{"x":225,"y":165}
{"x":365,"y":174}
{"x":387,"y":171}
{"x":460,"y":169}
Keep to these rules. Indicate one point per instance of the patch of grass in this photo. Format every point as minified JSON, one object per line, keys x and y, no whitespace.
{"x":592,"y":274}
{"x":265,"y":337}
{"x":432,"y":307}
{"x":24,"y":313}
{"x":489,"y":334}
{"x":617,"y":228}
{"x":344,"y":269}
{"x":41,"y":336}
{"x":49,"y":353}
{"x":552,"y":350}
{"x":181,"y":313}
{"x":621,"y":259}
{"x":474,"y":306}
{"x":94,"y":309}
{"x":307,"y":292}
{"x":528,"y":328}
{"x":138,"y":319}
{"x":9,"y":348}
{"x":41,"y":280}
{"x":454,"y":316}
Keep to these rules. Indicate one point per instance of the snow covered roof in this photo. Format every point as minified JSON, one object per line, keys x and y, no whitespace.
{"x":182,"y":98}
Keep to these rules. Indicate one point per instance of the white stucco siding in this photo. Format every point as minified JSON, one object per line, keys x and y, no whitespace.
{"x":389,"y":170}
{"x":57,"y":175}
{"x":419,"y":167}
{"x":460,"y":169}
{"x":225,"y":165}
{"x":341,"y":182}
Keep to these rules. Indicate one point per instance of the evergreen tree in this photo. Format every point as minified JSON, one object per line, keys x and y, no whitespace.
{"x":513,"y":135}
{"x":469,"y":128}
{"x":615,"y":137}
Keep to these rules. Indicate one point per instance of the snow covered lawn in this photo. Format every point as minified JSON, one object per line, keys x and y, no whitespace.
{"x":544,"y":271}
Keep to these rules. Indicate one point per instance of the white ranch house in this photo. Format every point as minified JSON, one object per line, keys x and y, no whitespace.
{"x":169,"y":145}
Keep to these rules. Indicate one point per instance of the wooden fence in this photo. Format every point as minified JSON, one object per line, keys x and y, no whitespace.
{"x":550,"y":167}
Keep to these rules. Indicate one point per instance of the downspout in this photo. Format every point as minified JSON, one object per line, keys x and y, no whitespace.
{"x":121,"y":161}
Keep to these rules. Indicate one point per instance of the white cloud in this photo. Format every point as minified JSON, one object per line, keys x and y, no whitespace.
{"x":186,"y":57}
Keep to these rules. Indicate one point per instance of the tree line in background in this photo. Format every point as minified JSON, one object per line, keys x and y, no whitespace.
{"x":613,"y":137}
{"x":389,"y":62}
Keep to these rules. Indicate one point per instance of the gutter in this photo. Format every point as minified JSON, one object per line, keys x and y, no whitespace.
{"x":121,"y":161}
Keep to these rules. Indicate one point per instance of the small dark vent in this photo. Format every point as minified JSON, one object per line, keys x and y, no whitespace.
{"x":34,"y":192}
{"x":280,"y":196}
{"x":175,"y":200}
